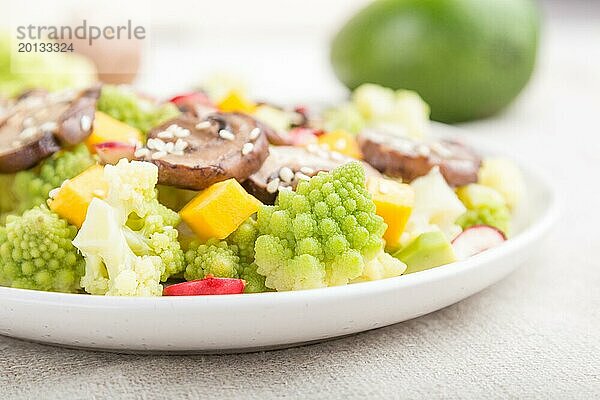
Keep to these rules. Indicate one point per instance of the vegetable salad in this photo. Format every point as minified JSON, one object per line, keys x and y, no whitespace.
{"x":114,"y":193}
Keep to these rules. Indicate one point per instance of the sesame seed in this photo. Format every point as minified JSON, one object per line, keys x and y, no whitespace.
{"x":282,"y":188}
{"x":165,"y":135}
{"x":247,"y":148}
{"x":180,"y":145}
{"x":302,"y":177}
{"x":203,"y":125}
{"x":159,"y":145}
{"x":49,"y":126}
{"x":177,"y":152}
{"x":183,"y":133}
{"x":53,"y":193}
{"x":286,"y":174}
{"x":307,"y":170}
{"x":86,"y":123}
{"x":173,"y":128}
{"x":226,"y":135}
{"x":340,"y":144}
{"x":142,"y":152}
{"x":169,"y":147}
{"x":254,"y":133}
{"x":158,"y":155}
{"x":27,"y":133}
{"x":273,"y":185}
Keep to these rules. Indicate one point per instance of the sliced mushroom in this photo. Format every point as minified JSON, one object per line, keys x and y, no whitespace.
{"x":286,"y":166}
{"x":38,"y":124}
{"x":194,"y":154}
{"x":75,"y":124}
{"x":408,"y":159}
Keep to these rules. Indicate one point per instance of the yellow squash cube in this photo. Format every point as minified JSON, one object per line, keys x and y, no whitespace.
{"x":394,"y":202}
{"x":342,"y":142}
{"x":107,"y":129}
{"x":219,"y":210}
{"x":72,"y":200}
{"x":236,"y":102}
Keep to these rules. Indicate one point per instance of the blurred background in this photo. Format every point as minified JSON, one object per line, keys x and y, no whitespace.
{"x":281,"y":49}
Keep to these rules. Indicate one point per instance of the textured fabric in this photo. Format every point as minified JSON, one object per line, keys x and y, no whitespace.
{"x":536,"y":334}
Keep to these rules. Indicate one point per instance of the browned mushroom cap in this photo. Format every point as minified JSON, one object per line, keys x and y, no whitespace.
{"x":38,"y":124}
{"x":75,"y":124}
{"x":408,"y":159}
{"x":194,"y":154}
{"x":287,"y":165}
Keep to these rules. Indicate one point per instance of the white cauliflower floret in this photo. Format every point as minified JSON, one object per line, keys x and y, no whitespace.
{"x":383,"y":266}
{"x":131,"y":187}
{"x":437,"y":207}
{"x":402,"y":112}
{"x":505,"y":177}
{"x":112,"y":268}
{"x":128,"y":239}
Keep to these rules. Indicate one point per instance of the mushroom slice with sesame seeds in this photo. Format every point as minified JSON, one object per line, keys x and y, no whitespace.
{"x":286,"y":166}
{"x":202,"y":152}
{"x":38,"y":124}
{"x":405,"y":158}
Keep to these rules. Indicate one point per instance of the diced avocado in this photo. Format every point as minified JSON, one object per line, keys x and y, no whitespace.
{"x":428,"y":250}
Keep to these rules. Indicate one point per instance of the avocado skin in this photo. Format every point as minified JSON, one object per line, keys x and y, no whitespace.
{"x":468,"y":59}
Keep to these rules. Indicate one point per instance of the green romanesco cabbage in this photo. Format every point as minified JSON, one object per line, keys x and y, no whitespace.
{"x":231,"y":258}
{"x":214,"y":257}
{"x":141,"y":231}
{"x":31,"y":187}
{"x":321,"y":234}
{"x":485,"y":206}
{"x":36,"y":252}
{"x":8,"y":201}
{"x":121,"y":103}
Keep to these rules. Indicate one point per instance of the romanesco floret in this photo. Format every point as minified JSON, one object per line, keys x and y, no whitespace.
{"x":8,"y":201}
{"x":214,"y":257}
{"x":31,"y":187}
{"x":121,"y":103}
{"x":140,"y":230}
{"x":485,"y":206}
{"x":321,"y":234}
{"x":36,"y":252}
{"x":231,"y":258}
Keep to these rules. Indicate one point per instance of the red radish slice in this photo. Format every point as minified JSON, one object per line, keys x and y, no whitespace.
{"x":476,"y":239}
{"x":207,"y":286}
{"x":112,"y":152}
{"x":303,"y":136}
{"x":191,"y":98}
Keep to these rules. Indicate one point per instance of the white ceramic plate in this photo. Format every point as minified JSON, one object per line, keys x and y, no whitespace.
{"x":241,"y":323}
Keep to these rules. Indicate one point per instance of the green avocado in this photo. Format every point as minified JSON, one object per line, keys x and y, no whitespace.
{"x":467,"y":58}
{"x":428,"y":250}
